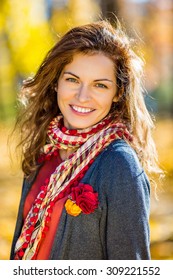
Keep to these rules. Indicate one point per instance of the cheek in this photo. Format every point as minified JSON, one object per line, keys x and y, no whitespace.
{"x":61,"y":92}
{"x":63,"y":97}
{"x":106,"y":102}
{"x":59,"y":88}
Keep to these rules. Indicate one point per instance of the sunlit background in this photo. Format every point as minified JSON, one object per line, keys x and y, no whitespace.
{"x":28,"y":29}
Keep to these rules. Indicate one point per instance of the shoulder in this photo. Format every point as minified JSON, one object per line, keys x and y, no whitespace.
{"x":120,"y":157}
{"x":117,"y":169}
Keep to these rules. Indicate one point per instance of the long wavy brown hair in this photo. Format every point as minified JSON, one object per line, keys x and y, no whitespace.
{"x":39,"y":98}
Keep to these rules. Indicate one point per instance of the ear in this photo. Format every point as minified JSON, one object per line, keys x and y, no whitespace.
{"x":115,"y":99}
{"x":55,"y":88}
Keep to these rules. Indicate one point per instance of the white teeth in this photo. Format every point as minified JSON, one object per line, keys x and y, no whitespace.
{"x":82,"y":110}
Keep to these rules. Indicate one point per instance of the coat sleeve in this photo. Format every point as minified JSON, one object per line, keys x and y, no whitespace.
{"x":126,"y":193}
{"x":19,"y":222}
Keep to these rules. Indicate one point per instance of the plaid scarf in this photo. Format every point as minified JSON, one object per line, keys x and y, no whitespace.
{"x":89,"y":143}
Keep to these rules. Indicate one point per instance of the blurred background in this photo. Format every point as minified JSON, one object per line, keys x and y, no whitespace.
{"x":28,"y":29}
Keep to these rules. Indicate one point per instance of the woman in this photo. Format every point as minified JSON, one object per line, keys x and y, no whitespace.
{"x":86,"y":137}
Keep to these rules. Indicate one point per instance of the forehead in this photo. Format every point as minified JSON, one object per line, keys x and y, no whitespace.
{"x":95,"y":64}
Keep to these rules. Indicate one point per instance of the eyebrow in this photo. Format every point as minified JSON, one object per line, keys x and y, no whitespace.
{"x":98,"y":80}
{"x":66,"y":72}
{"x":106,"y":80}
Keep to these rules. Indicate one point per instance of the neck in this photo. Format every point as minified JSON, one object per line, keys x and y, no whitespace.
{"x":64,"y":154}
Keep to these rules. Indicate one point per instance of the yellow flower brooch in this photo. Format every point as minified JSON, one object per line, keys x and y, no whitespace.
{"x":82,"y":199}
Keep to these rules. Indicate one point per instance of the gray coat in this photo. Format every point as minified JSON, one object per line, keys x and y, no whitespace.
{"x":119,"y":228}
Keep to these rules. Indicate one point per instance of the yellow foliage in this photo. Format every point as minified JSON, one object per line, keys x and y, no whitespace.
{"x":163,"y":136}
{"x":28,"y":33}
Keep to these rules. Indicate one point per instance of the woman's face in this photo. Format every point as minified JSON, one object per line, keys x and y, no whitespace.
{"x":86,"y":89}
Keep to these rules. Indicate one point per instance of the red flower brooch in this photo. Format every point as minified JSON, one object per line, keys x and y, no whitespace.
{"x":82,"y":199}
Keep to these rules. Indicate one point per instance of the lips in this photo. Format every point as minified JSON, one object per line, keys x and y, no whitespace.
{"x":81,"y":110}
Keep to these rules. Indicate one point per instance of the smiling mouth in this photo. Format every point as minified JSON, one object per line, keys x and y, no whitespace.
{"x":81,"y":109}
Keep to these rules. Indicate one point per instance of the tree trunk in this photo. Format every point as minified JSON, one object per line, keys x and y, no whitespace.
{"x":110,"y":9}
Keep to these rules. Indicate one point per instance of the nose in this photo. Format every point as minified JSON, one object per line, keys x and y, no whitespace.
{"x":83,"y":94}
